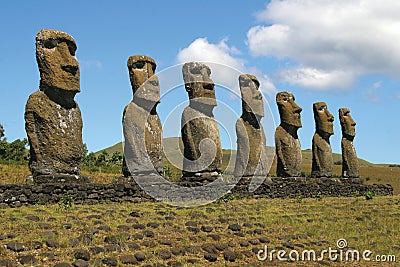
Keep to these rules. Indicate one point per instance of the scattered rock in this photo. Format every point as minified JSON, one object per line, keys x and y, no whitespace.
{"x":153,"y":224}
{"x":34,"y":218}
{"x":264,"y":240}
{"x":140,"y":256}
{"x":124,"y":228}
{"x":138,"y":226}
{"x":174,"y":264}
{"x":27,"y":259}
{"x":149,"y":244}
{"x":244,"y":243}
{"x":105,"y":228}
{"x":132,"y":245}
{"x":164,"y":254}
{"x":193,"y":229}
{"x":6,"y":263}
{"x":128,"y":259}
{"x":229,"y":255}
{"x":166,"y":242}
{"x":96,"y":250}
{"x":80,"y":263}
{"x":51,"y":243}
{"x":206,"y":228}
{"x":214,"y":237}
{"x":235,"y":227}
{"x":221,"y":246}
{"x":111,"y":248}
{"x":135,"y":213}
{"x":15,"y":246}
{"x":110,"y":261}
{"x":211,"y":257}
{"x":148,"y":233}
{"x":191,"y":223}
{"x":63,"y":264}
{"x":178,"y":251}
{"x":82,"y":254}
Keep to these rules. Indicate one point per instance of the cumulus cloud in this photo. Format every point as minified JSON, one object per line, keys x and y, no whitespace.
{"x":330,"y":39}
{"x":224,"y":63}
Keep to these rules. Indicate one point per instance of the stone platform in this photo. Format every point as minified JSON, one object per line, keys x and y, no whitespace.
{"x":126,"y":189}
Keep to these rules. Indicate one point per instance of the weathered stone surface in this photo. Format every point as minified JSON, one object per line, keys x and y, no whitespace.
{"x":141,"y":123}
{"x":287,"y":143}
{"x":322,"y":159}
{"x":200,"y":133}
{"x":251,"y":158}
{"x":350,"y":164}
{"x":53,"y":120}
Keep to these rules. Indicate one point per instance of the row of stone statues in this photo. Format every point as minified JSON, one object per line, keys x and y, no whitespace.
{"x":54,"y":125}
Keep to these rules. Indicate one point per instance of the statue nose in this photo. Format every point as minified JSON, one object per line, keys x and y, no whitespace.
{"x":71,"y":69}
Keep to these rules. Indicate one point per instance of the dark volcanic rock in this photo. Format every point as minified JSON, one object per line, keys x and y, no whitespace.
{"x":110,"y":261}
{"x":82,"y":254}
{"x":211,"y":257}
{"x":15,"y":246}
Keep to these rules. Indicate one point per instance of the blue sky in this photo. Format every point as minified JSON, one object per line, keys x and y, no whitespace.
{"x":345,"y":53}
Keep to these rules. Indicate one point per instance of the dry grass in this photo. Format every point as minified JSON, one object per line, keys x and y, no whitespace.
{"x":303,"y":224}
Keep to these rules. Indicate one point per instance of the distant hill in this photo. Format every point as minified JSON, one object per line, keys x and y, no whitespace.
{"x":173,"y":146}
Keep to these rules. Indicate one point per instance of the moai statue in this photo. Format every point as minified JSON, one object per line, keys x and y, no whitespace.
{"x":350,"y":165}
{"x":143,"y":152}
{"x":287,"y":143}
{"x":322,"y":160}
{"x":53,"y":119}
{"x":251,"y":158}
{"x":200,"y":133}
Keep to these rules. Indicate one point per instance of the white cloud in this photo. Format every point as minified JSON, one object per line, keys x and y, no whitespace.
{"x":371,"y":94}
{"x":330,"y":38}
{"x":317,"y":79}
{"x":89,"y":64}
{"x":232,"y":66}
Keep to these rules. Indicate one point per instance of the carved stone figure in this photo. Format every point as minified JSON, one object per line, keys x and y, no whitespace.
{"x":200,"y":133}
{"x":350,"y":164}
{"x":287,"y":143}
{"x":53,"y":120}
{"x":322,"y":160}
{"x":251,"y":158}
{"x":141,"y":123}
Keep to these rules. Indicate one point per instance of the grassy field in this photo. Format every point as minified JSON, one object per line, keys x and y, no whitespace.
{"x":229,"y":232}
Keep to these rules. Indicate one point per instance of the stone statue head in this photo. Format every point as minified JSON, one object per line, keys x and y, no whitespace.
{"x":323,"y":118}
{"x":140,"y":69}
{"x":252,"y":101}
{"x":289,"y":111}
{"x":347,"y":122}
{"x":148,"y":94}
{"x":198,"y":83}
{"x":58,"y":66}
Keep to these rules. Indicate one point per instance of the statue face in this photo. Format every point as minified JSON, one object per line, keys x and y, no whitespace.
{"x":148,"y":95}
{"x":140,"y":69}
{"x":347,"y":122}
{"x":252,"y":101}
{"x":323,"y":118}
{"x":58,"y":66}
{"x":198,"y":83}
{"x":289,"y":111}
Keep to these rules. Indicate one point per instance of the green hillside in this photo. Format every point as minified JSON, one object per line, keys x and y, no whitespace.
{"x":173,"y":147}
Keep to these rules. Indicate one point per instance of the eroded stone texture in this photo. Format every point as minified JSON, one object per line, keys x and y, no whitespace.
{"x":141,"y":123}
{"x":350,"y":164}
{"x":53,"y":120}
{"x":200,"y":133}
{"x":322,"y":160}
{"x":287,"y":143}
{"x":251,"y":158}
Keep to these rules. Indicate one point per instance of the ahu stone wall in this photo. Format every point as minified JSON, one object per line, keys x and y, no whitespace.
{"x":17,"y":195}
